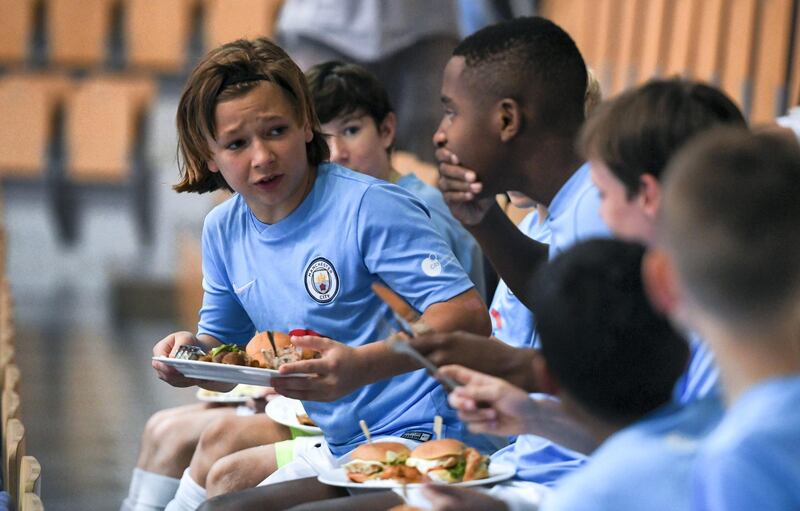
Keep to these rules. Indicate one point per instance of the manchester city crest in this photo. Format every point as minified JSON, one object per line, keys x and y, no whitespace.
{"x":322,"y":282}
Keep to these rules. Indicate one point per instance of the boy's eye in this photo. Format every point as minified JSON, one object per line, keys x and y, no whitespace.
{"x":277,"y":131}
{"x":349,"y":131}
{"x":234,"y":145}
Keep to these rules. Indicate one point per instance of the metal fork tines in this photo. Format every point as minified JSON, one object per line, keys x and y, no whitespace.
{"x":187,"y":352}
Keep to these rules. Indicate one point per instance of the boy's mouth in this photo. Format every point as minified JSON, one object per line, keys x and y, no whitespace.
{"x":270,"y":182}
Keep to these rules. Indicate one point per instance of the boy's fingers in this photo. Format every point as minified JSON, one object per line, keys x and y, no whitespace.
{"x":320,"y":344}
{"x":478,"y":415}
{"x":457,"y":172}
{"x":458,"y":196}
{"x":447,"y":184}
{"x":459,"y":373}
{"x":312,"y":366}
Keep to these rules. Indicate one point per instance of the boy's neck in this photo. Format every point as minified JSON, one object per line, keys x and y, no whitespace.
{"x":747,"y":358}
{"x":598,"y":428}
{"x":546,"y":165}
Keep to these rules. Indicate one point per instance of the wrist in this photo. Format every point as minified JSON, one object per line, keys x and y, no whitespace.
{"x":487,"y":221}
{"x":520,"y":369}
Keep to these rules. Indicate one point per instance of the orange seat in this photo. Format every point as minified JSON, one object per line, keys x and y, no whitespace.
{"x":102,"y":119}
{"x":28,"y":104}
{"x":772,"y":60}
{"x":17,"y":29}
{"x":228,"y":20}
{"x":738,"y":51}
{"x":157,"y":33}
{"x":78,"y":31}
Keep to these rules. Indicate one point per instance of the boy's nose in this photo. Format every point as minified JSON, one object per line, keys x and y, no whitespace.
{"x":339,"y":153}
{"x":439,"y":138}
{"x":261,"y":154}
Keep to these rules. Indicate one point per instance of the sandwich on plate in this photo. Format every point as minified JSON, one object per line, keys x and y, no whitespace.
{"x":449,"y":461}
{"x":381,"y":460}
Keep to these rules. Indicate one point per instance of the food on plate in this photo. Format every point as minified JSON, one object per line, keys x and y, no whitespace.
{"x":305,"y":420}
{"x":230,"y":354}
{"x":242,"y":391}
{"x":449,"y":461}
{"x":273,"y":349}
{"x":266,"y":350}
{"x":380,"y":460}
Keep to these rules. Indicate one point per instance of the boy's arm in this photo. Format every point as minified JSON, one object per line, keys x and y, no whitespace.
{"x":466,"y":312}
{"x":514,"y":256}
{"x":342,"y":369}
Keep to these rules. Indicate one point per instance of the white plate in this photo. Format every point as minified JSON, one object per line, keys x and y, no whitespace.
{"x":337,"y":477}
{"x":223,"y":372}
{"x":239,"y":394}
{"x":284,"y":411}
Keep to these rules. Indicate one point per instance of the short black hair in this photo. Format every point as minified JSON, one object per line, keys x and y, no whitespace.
{"x":640,"y":130}
{"x":731,"y":207}
{"x":339,"y":89}
{"x":529,"y":59}
{"x":602,"y":340}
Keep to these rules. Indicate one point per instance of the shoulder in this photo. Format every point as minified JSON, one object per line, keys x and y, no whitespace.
{"x":336,"y":176}
{"x":231,"y":211}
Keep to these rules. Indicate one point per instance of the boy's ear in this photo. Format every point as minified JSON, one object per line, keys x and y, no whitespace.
{"x":309,"y":133}
{"x":387,"y":130}
{"x":660,"y":281}
{"x":212,"y":166}
{"x":545,"y":381}
{"x":650,"y":195}
{"x":509,"y":118}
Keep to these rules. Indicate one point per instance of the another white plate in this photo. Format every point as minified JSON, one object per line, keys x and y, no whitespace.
{"x":284,"y":411}
{"x":239,"y":394}
{"x":337,"y":477}
{"x":224,"y":372}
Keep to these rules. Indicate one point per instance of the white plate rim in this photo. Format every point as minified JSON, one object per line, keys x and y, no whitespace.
{"x":275,"y":409}
{"x":225,"y":372}
{"x":337,"y":477}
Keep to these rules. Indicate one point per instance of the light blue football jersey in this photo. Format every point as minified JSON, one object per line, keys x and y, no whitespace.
{"x":313,"y":271}
{"x":512,"y":321}
{"x":752,"y":460}
{"x":646,"y":465}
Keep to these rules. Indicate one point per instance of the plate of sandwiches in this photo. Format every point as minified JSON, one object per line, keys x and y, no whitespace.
{"x":239,"y":394}
{"x":394,"y":465}
{"x":256,"y":364}
{"x":290,"y":412}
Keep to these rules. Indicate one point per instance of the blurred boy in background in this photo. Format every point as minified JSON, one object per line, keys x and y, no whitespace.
{"x":727,"y":265}
{"x":359,"y":123}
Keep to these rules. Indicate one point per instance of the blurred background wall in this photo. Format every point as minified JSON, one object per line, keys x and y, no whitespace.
{"x":103,"y":257}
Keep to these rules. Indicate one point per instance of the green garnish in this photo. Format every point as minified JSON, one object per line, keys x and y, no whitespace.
{"x":458,"y":471}
{"x":233,"y":348}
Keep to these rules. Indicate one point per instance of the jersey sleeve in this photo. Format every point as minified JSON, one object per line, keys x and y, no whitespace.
{"x":222,"y":315}
{"x":463,"y":245}
{"x":400,"y":245}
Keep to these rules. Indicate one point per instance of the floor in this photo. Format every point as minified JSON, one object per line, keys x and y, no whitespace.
{"x":87,"y":316}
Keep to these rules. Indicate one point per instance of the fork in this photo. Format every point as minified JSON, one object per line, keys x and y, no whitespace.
{"x":189,"y":352}
{"x":399,"y":345}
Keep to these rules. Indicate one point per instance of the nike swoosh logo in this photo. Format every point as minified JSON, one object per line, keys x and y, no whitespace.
{"x":240,"y":290}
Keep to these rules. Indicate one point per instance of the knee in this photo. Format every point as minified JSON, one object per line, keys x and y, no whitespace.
{"x":155,"y":427}
{"x":218,"y":438}
{"x":222,"y":478}
{"x":166,"y":445}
